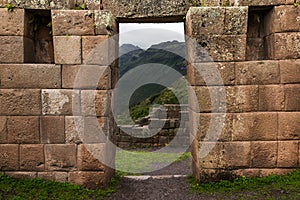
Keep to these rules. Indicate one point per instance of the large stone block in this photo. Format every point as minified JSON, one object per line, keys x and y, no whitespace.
{"x":242,"y":98}
{"x":9,"y":157}
{"x":283,"y":46}
{"x":60,"y":102}
{"x":105,"y":23}
{"x":271,"y":98}
{"x":86,"y":77}
{"x":60,"y":157}
{"x":20,"y":102}
{"x":254,"y":126}
{"x":209,"y":155}
{"x":95,"y":102}
{"x":236,"y":154}
{"x":12,"y":49}
{"x":67,"y":49}
{"x":287,"y":154}
{"x":72,"y":22}
{"x":91,"y":180}
{"x":257,"y":72}
{"x":91,"y":156}
{"x":30,"y":76}
{"x":3,"y":129}
{"x":238,"y":26}
{"x":284,"y":18}
{"x":54,"y":176}
{"x":12,"y":23}
{"x":289,"y":126}
{"x":264,"y":154}
{"x":290,"y":71}
{"x":23,"y":129}
{"x":32,"y":157}
{"x":52,"y":129}
{"x":292,"y":97}
{"x":21,"y":175}
{"x":261,"y":2}
{"x":200,"y":74}
{"x":218,"y":48}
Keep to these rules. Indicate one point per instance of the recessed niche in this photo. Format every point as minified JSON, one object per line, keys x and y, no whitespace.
{"x":38,"y":39}
{"x":256,"y":34}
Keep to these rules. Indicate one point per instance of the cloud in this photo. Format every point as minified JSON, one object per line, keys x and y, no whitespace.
{"x":147,"y":34}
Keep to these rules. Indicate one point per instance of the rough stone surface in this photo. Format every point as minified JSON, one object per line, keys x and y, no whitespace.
{"x":20,"y":102}
{"x":287,"y":154}
{"x":236,"y":154}
{"x":60,"y":157}
{"x":95,"y":102}
{"x":23,"y":129}
{"x":264,"y":154}
{"x":72,"y":22}
{"x":271,"y":98}
{"x":67,"y":49}
{"x":289,"y":126}
{"x":22,"y":175}
{"x":86,"y":77}
{"x":290,"y":71}
{"x":32,"y":157}
{"x":90,"y":157}
{"x":9,"y":154}
{"x":12,"y":22}
{"x":60,"y":102}
{"x":3,"y":129}
{"x":12,"y":49}
{"x":54,"y":176}
{"x":90,"y":179}
{"x":292,"y":96}
{"x":257,"y":73}
{"x":33,"y":76}
{"x":52,"y":129}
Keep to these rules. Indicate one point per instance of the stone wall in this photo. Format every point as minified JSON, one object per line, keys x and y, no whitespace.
{"x":50,"y":126}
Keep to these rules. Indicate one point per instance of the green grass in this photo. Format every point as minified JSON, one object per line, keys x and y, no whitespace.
{"x":270,"y":187}
{"x":136,"y":162}
{"x":12,"y":189}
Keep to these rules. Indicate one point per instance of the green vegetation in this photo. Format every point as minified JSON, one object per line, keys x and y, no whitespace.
{"x":9,"y":7}
{"x":79,"y":7}
{"x":140,"y":161}
{"x":41,"y":189}
{"x":283,"y":186}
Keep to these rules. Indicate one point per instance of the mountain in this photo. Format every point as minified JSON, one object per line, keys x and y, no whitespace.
{"x":164,"y":53}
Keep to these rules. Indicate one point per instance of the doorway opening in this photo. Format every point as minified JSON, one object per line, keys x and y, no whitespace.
{"x":159,"y":105}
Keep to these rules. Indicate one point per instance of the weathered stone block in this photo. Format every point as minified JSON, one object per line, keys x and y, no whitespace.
{"x":95,"y":102}
{"x":242,"y":98}
{"x":9,"y":157}
{"x":12,"y":49}
{"x":261,"y":2}
{"x":20,"y":102}
{"x":52,"y":129}
{"x":32,"y":157}
{"x":86,"y":76}
{"x":218,"y":48}
{"x":60,"y":102}
{"x":74,"y":128}
{"x":12,"y":22}
{"x":67,"y":49}
{"x":91,"y":180}
{"x":200,"y":74}
{"x":210,"y":155}
{"x":3,"y":129}
{"x":283,"y":46}
{"x":284,"y":18}
{"x":287,"y":154}
{"x":290,"y":71}
{"x":264,"y":154}
{"x":254,"y":126}
{"x":72,"y":22}
{"x":23,"y":129}
{"x":54,"y":176}
{"x":30,"y":76}
{"x":238,"y":26}
{"x":60,"y":157}
{"x":292,"y":97}
{"x":271,"y":98}
{"x":289,"y":126}
{"x":255,"y":49}
{"x":96,"y":50}
{"x":236,"y":154}
{"x":22,"y":175}
{"x":257,"y":73}
{"x":213,"y":127}
{"x":91,"y":156}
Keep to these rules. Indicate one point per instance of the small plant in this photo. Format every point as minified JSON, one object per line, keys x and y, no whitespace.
{"x":49,"y":25}
{"x":9,"y":7}
{"x":258,"y":18}
{"x":296,"y":4}
{"x":80,"y":7}
{"x":225,"y":3}
{"x":35,"y":21}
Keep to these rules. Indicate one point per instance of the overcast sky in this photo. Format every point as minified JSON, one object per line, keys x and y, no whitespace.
{"x":146,"y":34}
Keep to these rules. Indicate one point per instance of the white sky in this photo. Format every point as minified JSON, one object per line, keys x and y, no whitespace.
{"x":146,"y":34}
